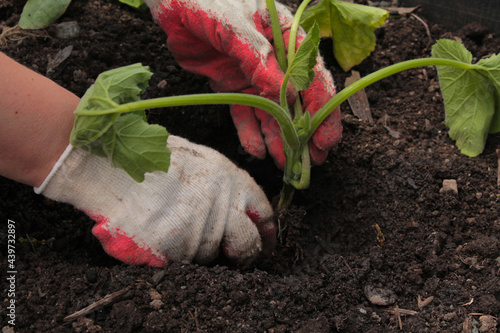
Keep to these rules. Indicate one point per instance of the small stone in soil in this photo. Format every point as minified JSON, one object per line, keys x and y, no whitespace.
{"x":380,"y":296}
{"x":449,"y":186}
{"x":67,"y":30}
{"x":156,"y":304}
{"x":157,"y":277}
{"x":488,"y":324}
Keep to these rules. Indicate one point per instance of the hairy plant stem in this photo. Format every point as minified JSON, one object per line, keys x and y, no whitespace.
{"x":286,"y":196}
{"x":279,"y":44}
{"x":347,"y":92}
{"x":292,"y":41}
{"x":284,"y":119}
{"x":294,"y":28}
{"x":300,"y":156}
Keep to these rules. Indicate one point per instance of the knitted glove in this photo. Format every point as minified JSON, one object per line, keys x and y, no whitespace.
{"x":203,"y":205}
{"x":230,"y":41}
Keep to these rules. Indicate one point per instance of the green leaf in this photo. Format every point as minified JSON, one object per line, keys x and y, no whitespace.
{"x":126,"y":139}
{"x":350,"y":25}
{"x":469,"y":97}
{"x":493,"y":65}
{"x":320,"y":14}
{"x":301,"y":68}
{"x":302,"y":125}
{"x":39,"y":14}
{"x":136,"y":146}
{"x":111,"y":88}
{"x":133,"y":3}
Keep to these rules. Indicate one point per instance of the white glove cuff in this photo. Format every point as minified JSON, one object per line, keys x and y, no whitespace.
{"x":59,"y":164}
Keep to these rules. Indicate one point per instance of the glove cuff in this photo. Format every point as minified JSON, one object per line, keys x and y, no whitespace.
{"x":86,"y":181}
{"x":59,"y":164}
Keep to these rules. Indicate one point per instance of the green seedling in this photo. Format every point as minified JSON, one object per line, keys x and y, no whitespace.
{"x":32,"y":241}
{"x":110,"y":120}
{"x":39,"y":14}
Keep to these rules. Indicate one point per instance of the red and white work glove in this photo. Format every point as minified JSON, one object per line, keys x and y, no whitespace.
{"x":204,"y":206}
{"x":230,"y":41}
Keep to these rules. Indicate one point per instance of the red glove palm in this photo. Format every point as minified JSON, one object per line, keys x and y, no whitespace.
{"x":229,"y":41}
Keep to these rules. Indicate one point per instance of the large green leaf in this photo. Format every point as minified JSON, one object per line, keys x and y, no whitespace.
{"x":111,"y":88}
{"x":493,"y":65}
{"x":126,"y":139}
{"x":320,"y":14}
{"x":469,"y":95}
{"x":136,"y":146}
{"x":350,"y":25}
{"x":39,"y":14}
{"x":301,"y":69}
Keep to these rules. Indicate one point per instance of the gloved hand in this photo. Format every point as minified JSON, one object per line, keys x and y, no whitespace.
{"x":230,"y":41}
{"x":202,"y":206}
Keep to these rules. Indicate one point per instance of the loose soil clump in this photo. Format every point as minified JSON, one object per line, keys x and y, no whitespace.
{"x":436,"y":268}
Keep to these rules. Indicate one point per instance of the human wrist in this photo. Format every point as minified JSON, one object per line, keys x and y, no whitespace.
{"x":36,"y":116}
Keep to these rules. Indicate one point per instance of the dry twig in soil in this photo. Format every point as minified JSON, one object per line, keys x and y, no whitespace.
{"x":401,"y":312}
{"x":108,"y":299}
{"x":422,"y":303}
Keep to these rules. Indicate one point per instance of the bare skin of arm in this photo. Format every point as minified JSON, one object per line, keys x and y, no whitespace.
{"x":36,"y":118}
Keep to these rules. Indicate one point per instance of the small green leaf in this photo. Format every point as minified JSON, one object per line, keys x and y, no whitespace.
{"x":350,"y":25}
{"x":302,"y":125}
{"x":469,"y":97}
{"x":126,"y":139}
{"x":301,"y":68}
{"x":133,"y":3}
{"x":39,"y":14}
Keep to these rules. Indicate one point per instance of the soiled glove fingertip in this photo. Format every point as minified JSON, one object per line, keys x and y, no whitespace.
{"x":255,"y":148}
{"x":329,"y":134}
{"x":318,"y":156}
{"x":242,"y":253}
{"x":266,"y":227}
{"x":275,"y":149}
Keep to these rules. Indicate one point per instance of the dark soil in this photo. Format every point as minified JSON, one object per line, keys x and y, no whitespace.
{"x":328,"y":260}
